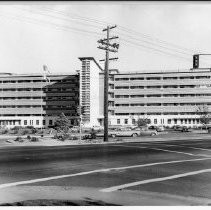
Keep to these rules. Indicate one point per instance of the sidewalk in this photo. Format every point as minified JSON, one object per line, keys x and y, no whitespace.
{"x":7,"y":141}
{"x":91,"y":196}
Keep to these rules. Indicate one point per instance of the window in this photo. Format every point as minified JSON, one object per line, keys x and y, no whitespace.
{"x":202,"y":77}
{"x":118,"y":121}
{"x":187,"y":95}
{"x":170,"y":104}
{"x":187,"y":86}
{"x":126,"y":121}
{"x":170,"y":95}
{"x":137,"y":78}
{"x":133,"y":121}
{"x":121,"y":79}
{"x":137,"y":104}
{"x":153,"y":78}
{"x":43,"y":122}
{"x":25,"y":122}
{"x":154,"y":104}
{"x":149,"y":96}
{"x":121,"y":87}
{"x":37,"y":122}
{"x":137,"y":96}
{"x":169,"y":121}
{"x":169,"y":78}
{"x":121,"y":104}
{"x":136,"y":87}
{"x":170,"y":86}
{"x":50,"y":122}
{"x":186,"y":77}
{"x":122,"y":96}
{"x":153,"y":87}
{"x":155,"y":121}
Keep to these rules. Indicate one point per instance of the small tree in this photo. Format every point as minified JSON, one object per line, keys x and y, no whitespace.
{"x":143,"y":122}
{"x":204,"y":116}
{"x":62,"y":124}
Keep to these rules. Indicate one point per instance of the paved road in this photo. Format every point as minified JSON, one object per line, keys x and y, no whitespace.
{"x":176,"y":168}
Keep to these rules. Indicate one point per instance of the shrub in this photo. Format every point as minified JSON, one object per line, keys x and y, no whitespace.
{"x":75,"y":138}
{"x":24,"y":132}
{"x":16,"y":128}
{"x":19,"y":139}
{"x":62,"y":136}
{"x":33,"y":131}
{"x":15,"y":131}
{"x":30,"y":127}
{"x":40,"y":132}
{"x":28,"y":137}
{"x":4,"y":132}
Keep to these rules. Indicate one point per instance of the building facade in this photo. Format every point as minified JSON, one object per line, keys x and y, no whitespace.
{"x":29,"y":100}
{"x":167,"y":98}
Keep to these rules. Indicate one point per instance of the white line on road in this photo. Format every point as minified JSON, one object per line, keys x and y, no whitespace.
{"x":165,"y":150}
{"x":147,"y":181}
{"x":94,"y":171}
{"x":183,"y":145}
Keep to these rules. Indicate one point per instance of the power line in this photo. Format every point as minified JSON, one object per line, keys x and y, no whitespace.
{"x":156,"y":39}
{"x":56,"y":17}
{"x":123,"y":28}
{"x":58,"y":26}
{"x":154,"y":49}
{"x":127,"y":30}
{"x":155,"y":44}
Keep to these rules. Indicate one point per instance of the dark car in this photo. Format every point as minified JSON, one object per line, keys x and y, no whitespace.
{"x":182,"y":129}
{"x":157,"y":128}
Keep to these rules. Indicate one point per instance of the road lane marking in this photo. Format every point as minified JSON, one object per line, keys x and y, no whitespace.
{"x":165,"y":150}
{"x":147,"y":181}
{"x":12,"y":184}
{"x":182,"y":145}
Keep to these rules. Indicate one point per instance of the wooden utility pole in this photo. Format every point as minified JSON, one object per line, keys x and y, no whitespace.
{"x":108,"y":48}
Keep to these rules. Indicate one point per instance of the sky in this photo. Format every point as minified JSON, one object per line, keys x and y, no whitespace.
{"x":153,"y":36}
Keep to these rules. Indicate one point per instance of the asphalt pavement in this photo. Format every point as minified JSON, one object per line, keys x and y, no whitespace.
{"x":130,"y":173}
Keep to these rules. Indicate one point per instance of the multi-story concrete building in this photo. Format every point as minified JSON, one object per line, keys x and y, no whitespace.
{"x":28,"y":100}
{"x":167,"y":98}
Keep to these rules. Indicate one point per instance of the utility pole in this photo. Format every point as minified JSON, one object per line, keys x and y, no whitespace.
{"x":108,"y":48}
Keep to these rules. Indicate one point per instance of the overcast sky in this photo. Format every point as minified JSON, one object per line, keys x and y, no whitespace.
{"x":152,"y":36}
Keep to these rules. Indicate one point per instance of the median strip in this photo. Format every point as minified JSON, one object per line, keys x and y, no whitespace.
{"x":7,"y":185}
{"x":115,"y":188}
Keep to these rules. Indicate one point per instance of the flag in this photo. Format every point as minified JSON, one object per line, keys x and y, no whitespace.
{"x":45,"y":73}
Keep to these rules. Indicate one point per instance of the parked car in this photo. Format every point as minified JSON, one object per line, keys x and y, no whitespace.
{"x":124,"y":132}
{"x":182,"y":128}
{"x":98,"y":128}
{"x":144,"y":131}
{"x":157,"y":128}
